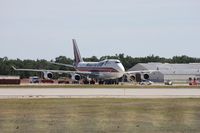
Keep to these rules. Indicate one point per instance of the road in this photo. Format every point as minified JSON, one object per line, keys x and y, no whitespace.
{"x":98,"y":93}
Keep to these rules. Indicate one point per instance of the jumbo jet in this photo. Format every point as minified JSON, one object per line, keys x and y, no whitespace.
{"x":108,"y":69}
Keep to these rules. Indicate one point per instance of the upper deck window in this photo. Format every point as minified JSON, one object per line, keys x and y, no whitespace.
{"x":117,"y":62}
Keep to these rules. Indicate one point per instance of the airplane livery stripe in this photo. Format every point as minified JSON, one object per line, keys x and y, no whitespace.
{"x":97,"y":69}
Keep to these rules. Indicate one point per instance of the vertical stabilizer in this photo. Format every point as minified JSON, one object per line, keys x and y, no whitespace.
{"x":77,"y":55}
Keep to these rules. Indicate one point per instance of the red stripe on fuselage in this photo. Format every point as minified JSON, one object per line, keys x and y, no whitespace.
{"x":97,"y":69}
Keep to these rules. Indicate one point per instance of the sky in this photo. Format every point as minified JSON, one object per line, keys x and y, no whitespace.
{"x":44,"y":29}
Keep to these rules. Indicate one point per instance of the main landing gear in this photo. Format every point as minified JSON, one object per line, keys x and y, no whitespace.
{"x":86,"y":81}
{"x":109,"y":82}
{"x":101,"y":82}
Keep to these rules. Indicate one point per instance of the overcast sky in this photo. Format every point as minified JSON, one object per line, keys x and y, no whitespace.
{"x":43,"y":29}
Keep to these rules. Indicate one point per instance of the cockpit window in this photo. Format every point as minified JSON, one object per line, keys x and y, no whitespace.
{"x":117,"y":62}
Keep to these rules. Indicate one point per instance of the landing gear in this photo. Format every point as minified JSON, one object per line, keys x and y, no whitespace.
{"x":86,"y":81}
{"x":109,"y":82}
{"x":101,"y":82}
{"x":92,"y":82}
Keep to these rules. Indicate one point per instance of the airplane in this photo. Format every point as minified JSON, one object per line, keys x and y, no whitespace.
{"x":103,"y":71}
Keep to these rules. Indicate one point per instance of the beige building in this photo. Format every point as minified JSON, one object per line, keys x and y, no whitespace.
{"x":166,"y":71}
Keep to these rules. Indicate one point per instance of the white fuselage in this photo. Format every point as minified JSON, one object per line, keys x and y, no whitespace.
{"x":107,"y":69}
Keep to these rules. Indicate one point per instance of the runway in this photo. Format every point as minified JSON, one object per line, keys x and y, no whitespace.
{"x":6,"y":93}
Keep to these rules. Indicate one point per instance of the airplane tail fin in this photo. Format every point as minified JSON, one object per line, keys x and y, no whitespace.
{"x":77,"y":55}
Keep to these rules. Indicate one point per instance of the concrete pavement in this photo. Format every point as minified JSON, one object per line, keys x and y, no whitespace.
{"x":98,"y":93}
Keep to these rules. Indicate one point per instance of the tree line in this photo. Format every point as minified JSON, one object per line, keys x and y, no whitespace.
{"x":128,"y":62}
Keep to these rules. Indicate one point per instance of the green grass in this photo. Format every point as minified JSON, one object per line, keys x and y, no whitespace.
{"x":100,"y":116}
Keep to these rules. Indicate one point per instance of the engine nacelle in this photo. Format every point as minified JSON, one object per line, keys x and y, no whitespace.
{"x":48,"y":75}
{"x":146,"y":76}
{"x":76,"y":77}
{"x":130,"y":78}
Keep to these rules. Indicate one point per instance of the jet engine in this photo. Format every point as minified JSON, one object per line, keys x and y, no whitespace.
{"x":76,"y":77}
{"x":146,"y":76}
{"x":48,"y":75}
{"x":132,"y":78}
{"x":129,"y":77}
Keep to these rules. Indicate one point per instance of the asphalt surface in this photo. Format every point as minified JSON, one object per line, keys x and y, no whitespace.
{"x":98,"y":93}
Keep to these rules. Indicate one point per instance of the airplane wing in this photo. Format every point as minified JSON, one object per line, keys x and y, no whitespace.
{"x":56,"y":71}
{"x":44,"y":70}
{"x":142,"y":71}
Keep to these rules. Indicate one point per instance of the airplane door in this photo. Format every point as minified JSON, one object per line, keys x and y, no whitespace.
{"x":138,"y":77}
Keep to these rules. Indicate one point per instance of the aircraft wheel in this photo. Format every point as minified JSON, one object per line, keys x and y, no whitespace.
{"x":101,"y":82}
{"x":92,"y":82}
{"x":85,"y":81}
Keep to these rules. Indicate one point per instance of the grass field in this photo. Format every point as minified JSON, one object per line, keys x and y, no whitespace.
{"x":100,"y":116}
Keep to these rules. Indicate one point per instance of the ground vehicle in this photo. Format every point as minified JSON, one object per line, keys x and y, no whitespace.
{"x":34,"y":79}
{"x":146,"y":82}
{"x":168,"y":82}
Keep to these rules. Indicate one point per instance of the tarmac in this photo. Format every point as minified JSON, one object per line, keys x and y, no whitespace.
{"x":27,"y":93}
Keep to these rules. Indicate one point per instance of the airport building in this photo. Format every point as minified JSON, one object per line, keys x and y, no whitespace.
{"x":166,"y":71}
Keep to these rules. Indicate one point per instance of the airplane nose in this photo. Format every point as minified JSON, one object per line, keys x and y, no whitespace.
{"x":121,"y":67}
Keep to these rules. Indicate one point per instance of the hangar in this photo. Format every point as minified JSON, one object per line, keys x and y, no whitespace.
{"x":166,"y":71}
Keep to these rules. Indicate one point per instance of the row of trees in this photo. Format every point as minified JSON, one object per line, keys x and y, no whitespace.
{"x":127,"y":61}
